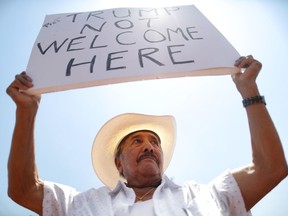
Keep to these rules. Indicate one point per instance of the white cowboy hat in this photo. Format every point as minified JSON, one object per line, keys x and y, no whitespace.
{"x":113,"y":131}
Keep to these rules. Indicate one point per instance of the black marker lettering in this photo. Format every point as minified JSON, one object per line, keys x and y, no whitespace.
{"x":73,"y":16}
{"x":153,"y":36}
{"x":149,"y":21}
{"x":71,"y":64}
{"x":123,"y":43}
{"x":176,"y":31}
{"x":190,"y":33}
{"x":94,"y":14}
{"x":141,"y":11}
{"x":110,"y":59}
{"x":72,"y":43}
{"x":123,"y":16}
{"x":121,"y":24}
{"x":171,"y":54}
{"x":56,"y":49}
{"x":142,"y":55}
{"x":92,"y":28}
{"x":169,"y":9}
{"x":93,"y":42}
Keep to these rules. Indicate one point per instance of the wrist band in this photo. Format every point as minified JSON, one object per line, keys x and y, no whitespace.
{"x":253,"y":100}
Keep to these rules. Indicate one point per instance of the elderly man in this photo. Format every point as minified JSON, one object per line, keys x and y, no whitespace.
{"x":130,"y":155}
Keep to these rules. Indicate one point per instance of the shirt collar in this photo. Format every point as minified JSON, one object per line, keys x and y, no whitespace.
{"x":166,"y":182}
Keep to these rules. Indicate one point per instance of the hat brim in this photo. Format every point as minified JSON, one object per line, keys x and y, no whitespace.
{"x":113,"y":131}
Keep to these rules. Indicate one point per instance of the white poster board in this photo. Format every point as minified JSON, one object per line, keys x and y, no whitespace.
{"x":75,"y":50}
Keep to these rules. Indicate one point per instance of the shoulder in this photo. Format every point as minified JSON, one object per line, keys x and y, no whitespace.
{"x":61,"y":199}
{"x":57,"y":189}
{"x":225,"y":183}
{"x":221,"y":194}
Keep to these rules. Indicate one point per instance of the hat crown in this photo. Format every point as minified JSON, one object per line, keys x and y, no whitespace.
{"x":114,"y":130}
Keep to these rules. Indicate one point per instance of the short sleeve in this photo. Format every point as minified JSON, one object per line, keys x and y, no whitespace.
{"x":227,"y":194}
{"x":57,"y":198}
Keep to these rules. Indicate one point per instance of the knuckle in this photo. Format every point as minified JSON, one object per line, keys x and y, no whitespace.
{"x":8,"y":90}
{"x":258,"y":64}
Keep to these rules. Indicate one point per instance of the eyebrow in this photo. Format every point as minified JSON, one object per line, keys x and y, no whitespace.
{"x":151,"y":135}
{"x":118,"y":150}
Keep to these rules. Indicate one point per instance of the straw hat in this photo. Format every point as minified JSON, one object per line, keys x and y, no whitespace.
{"x":113,"y":131}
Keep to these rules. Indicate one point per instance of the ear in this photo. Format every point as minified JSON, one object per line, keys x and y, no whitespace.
{"x":118,"y":165}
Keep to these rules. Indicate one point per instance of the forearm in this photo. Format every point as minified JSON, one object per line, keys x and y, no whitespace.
{"x":24,"y":186}
{"x":22,"y":170}
{"x":268,"y":155}
{"x":267,"y":149}
{"x":268,"y":165}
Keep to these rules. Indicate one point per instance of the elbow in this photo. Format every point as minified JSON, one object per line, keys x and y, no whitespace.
{"x":15,"y":190}
{"x":275,"y":172}
{"x":14,"y":195}
{"x":284,"y":171}
{"x":30,"y":199}
{"x":19,"y":194}
{"x":280,"y":172}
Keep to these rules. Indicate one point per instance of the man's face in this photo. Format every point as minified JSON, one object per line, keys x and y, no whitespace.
{"x":141,"y":156}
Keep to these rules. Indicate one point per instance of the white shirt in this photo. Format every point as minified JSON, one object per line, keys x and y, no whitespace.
{"x":221,"y":197}
{"x":142,"y":208}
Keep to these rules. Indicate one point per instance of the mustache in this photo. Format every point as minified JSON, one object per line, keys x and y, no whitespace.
{"x":148,"y":154}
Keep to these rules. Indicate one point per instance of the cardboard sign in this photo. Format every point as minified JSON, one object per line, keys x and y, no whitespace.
{"x":75,"y":50}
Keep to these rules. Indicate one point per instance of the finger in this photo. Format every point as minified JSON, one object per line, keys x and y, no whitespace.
{"x":11,"y":91}
{"x":252,"y":70}
{"x":23,"y":80}
{"x":28,"y":78}
{"x":255,"y":67}
{"x":8,"y":90}
{"x":14,"y":91}
{"x":244,"y":61}
{"x":19,"y":84}
{"x":239,"y":60}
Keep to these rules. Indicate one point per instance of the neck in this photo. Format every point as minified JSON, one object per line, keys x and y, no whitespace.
{"x":144,"y":181}
{"x":143,"y":185}
{"x":143,"y":194}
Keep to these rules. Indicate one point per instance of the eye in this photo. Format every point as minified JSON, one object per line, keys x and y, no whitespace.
{"x":155,"y":142}
{"x":137,"y":141}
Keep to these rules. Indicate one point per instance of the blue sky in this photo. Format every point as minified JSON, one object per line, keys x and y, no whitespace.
{"x":212,"y":128}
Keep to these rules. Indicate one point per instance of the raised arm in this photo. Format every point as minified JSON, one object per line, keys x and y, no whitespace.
{"x":24,"y":186}
{"x":268,"y":165}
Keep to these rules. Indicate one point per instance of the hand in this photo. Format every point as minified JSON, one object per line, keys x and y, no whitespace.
{"x":245,"y":79}
{"x":15,"y":91}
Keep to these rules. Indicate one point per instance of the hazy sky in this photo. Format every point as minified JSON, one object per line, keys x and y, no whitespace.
{"x":212,"y":131}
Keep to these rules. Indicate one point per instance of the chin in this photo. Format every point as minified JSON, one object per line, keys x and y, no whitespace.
{"x":151,"y":171}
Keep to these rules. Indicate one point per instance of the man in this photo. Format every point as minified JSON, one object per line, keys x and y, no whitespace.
{"x":137,"y":149}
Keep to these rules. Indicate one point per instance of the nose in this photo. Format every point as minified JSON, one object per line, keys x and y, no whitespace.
{"x":148,"y":146}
